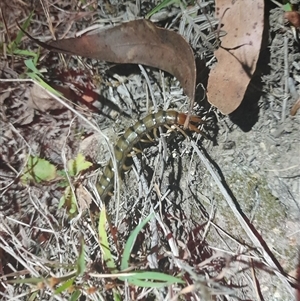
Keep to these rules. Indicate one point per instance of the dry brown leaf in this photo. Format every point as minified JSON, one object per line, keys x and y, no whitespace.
{"x":295,"y":108}
{"x":40,"y":100}
{"x":237,"y":57}
{"x":293,"y":17}
{"x":84,"y":199}
{"x":136,"y":42}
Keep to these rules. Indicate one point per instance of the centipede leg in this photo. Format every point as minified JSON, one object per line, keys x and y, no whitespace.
{"x":136,"y":151}
{"x":150,"y":140}
{"x":177,"y":128}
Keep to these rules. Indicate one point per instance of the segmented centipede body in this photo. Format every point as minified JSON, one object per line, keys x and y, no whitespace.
{"x":132,"y":135}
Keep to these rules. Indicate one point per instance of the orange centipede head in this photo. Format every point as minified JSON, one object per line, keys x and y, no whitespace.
{"x":193,"y":121}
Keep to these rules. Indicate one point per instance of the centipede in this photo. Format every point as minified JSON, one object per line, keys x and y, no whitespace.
{"x":132,"y":136}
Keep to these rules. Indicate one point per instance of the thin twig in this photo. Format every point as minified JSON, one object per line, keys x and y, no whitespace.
{"x":286,"y":79}
{"x":242,"y":220}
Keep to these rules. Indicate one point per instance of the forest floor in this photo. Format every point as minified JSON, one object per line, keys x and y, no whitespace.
{"x":226,"y":202}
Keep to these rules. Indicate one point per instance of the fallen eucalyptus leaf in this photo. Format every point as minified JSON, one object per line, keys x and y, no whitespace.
{"x":136,"y":42}
{"x":237,"y":57}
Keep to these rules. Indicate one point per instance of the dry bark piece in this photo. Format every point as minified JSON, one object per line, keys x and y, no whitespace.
{"x":237,"y":58}
{"x":136,"y":42}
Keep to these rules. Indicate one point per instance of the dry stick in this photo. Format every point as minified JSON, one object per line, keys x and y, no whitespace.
{"x":286,"y":78}
{"x":3,"y":189}
{"x":277,"y":3}
{"x":4,"y":245}
{"x":242,"y":220}
{"x":45,"y":6}
{"x":152,"y":258}
{"x":255,"y":284}
{"x":149,"y":87}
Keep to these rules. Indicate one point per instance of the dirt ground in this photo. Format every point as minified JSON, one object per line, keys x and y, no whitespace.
{"x":226,"y":202}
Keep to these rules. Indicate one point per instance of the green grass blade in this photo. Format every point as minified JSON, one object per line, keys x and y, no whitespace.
{"x":151,"y":279}
{"x":25,"y":52}
{"x":130,"y":242}
{"x":24,"y":27}
{"x":15,"y":44}
{"x":75,"y":295}
{"x":160,"y":6}
{"x":103,"y":242}
{"x":36,"y":57}
{"x":26,"y":280}
{"x":80,"y":261}
{"x":35,"y":77}
{"x":66,"y":285}
{"x":31,"y":66}
{"x":33,"y":296}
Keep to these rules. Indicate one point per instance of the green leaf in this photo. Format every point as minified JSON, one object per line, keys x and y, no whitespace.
{"x":63,"y":199}
{"x":73,"y":208}
{"x":78,"y":165}
{"x":103,"y":242}
{"x":116,"y":295}
{"x":38,"y":170}
{"x":64,"y":181}
{"x":130,"y":242}
{"x":287,"y":7}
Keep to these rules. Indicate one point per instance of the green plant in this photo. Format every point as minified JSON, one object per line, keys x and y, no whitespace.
{"x":39,"y":170}
{"x":138,"y":278}
{"x":75,"y":167}
{"x":31,"y":70}
{"x":64,"y":283}
{"x":73,"y":283}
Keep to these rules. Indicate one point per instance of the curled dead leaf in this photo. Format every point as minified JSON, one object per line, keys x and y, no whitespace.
{"x":237,"y":57}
